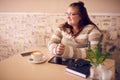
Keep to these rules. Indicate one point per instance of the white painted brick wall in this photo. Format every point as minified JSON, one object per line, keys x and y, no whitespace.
{"x":23,"y":31}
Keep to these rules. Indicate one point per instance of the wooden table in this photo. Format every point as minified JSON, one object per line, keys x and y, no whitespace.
{"x":18,"y":68}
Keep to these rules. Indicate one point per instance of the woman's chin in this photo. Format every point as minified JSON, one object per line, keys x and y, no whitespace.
{"x":69,"y":23}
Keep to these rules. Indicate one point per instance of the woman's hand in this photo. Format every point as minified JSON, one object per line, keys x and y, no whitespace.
{"x":60,"y":49}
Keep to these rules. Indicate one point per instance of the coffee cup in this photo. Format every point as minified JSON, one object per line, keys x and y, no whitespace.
{"x":37,"y":56}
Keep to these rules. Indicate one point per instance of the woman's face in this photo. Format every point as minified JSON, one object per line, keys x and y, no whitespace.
{"x":73,"y":16}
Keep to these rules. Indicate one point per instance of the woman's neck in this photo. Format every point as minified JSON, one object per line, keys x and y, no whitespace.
{"x":75,"y":30}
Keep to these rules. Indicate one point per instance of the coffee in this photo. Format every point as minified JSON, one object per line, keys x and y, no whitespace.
{"x":37,"y":56}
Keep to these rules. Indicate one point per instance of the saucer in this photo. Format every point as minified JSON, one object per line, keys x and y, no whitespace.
{"x":41,"y":61}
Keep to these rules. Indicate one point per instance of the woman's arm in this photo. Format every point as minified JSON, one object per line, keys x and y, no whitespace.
{"x":93,"y":38}
{"x":54,"y":41}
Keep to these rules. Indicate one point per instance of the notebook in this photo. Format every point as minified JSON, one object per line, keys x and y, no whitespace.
{"x":80,"y":68}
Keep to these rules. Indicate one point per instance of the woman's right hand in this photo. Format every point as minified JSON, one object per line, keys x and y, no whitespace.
{"x":60,"y":49}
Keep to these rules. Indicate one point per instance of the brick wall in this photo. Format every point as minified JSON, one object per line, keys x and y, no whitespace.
{"x":23,"y":31}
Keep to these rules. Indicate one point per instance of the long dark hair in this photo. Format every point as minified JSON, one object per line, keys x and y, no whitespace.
{"x":85,"y":20}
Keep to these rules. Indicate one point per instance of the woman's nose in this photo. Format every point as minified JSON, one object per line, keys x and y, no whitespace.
{"x":68,"y":16}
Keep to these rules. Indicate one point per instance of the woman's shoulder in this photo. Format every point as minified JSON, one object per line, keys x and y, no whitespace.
{"x":92,"y":27}
{"x":62,"y":28}
{"x":87,"y":28}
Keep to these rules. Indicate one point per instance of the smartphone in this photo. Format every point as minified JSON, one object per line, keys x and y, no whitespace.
{"x":26,"y":54}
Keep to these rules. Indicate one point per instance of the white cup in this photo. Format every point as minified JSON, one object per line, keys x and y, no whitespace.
{"x":37,"y":56}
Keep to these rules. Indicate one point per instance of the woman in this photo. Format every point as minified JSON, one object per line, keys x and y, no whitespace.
{"x":71,"y":38}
